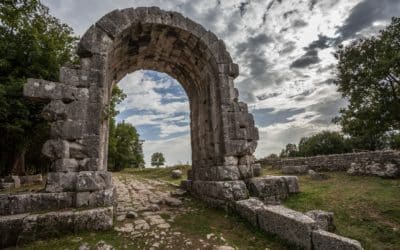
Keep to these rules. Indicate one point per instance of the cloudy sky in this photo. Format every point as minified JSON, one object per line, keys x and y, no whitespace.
{"x":284,"y":49}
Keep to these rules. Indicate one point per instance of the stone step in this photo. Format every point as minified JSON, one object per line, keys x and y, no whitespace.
{"x":12,"y":204}
{"x":19,"y":229}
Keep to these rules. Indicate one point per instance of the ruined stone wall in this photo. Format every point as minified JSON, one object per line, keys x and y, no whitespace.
{"x":337,"y":162}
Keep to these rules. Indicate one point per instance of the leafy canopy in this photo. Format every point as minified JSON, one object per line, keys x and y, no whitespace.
{"x":32,"y":44}
{"x":157,"y":159}
{"x":369,"y":78}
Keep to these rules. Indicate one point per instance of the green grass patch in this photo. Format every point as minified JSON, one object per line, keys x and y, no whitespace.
{"x":237,"y":232}
{"x":163,"y":174}
{"x":365,"y":208}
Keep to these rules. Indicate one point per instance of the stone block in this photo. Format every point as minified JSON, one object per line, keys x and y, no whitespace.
{"x":93,"y":181}
{"x":65,"y":165}
{"x":89,"y":164}
{"x":20,"y":229}
{"x":95,"y":199}
{"x":94,"y":41}
{"x":249,"y":209}
{"x":77,"y":150}
{"x":245,"y":171}
{"x":225,"y":173}
{"x":273,"y":189}
{"x":176,"y":174}
{"x":46,"y":90}
{"x":292,"y":182}
{"x":60,"y":181}
{"x":222,"y":190}
{"x":385,"y":170}
{"x":230,"y":160}
{"x":288,"y":224}
{"x":93,"y":219}
{"x":323,"y":219}
{"x":10,"y":227}
{"x":56,"y":149}
{"x":67,"y":130}
{"x":317,"y":176}
{"x":302,"y":169}
{"x":323,"y":240}
{"x":54,"y":111}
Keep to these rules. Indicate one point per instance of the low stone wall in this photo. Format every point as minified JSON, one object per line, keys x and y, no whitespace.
{"x":295,"y":227}
{"x":15,"y":230}
{"x":35,"y":202}
{"x":382,"y":161}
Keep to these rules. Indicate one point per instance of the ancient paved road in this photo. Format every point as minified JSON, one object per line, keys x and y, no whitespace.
{"x":146,"y":211}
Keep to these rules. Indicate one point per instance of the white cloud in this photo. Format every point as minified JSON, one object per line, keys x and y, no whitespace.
{"x":175,"y":150}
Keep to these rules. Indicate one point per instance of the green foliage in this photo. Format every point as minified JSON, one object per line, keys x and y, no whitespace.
{"x":32,"y":44}
{"x":369,"y":78}
{"x":127,"y":148}
{"x":124,"y":145}
{"x":157,"y":159}
{"x":324,"y":143}
{"x":289,"y":151}
{"x":395,"y":141}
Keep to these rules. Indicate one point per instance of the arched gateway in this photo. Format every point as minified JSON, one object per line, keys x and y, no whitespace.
{"x":223,"y":135}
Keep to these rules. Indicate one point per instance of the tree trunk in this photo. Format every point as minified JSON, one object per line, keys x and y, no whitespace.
{"x":19,"y":163}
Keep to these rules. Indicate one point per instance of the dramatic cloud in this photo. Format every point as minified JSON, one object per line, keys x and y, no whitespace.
{"x":285,"y":53}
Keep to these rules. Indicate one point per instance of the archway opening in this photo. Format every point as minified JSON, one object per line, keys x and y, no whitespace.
{"x":158,"y":107}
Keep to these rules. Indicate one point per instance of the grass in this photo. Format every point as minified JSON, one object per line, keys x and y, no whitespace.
{"x":237,"y":232}
{"x":163,"y":174}
{"x":365,"y":208}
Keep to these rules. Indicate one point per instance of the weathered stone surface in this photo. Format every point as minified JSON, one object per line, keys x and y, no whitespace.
{"x":67,"y":130}
{"x":323,"y":219}
{"x":273,"y":189}
{"x":31,"y":179}
{"x":24,"y":203}
{"x":323,"y":240}
{"x":386,"y":170}
{"x":23,"y":228}
{"x":288,"y":224}
{"x":302,"y":169}
{"x":176,"y":174}
{"x":46,"y":90}
{"x":56,"y":149}
{"x":387,"y":161}
{"x":222,"y":190}
{"x":317,"y":175}
{"x":65,"y":165}
{"x":14,"y":179}
{"x":61,"y":181}
{"x":249,"y":209}
{"x":93,"y":180}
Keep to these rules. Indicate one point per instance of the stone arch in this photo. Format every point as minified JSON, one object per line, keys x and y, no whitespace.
{"x":223,"y":134}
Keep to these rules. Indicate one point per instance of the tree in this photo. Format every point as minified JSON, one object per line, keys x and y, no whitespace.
{"x":157,"y":159}
{"x":324,"y":143}
{"x":124,"y":147}
{"x":128,"y":149}
{"x":289,"y":151}
{"x":369,"y":78}
{"x":32,"y":44}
